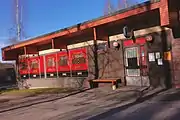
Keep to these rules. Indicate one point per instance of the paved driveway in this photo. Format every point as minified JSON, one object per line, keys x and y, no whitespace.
{"x":103,"y":104}
{"x":164,"y":106}
{"x":80,"y":106}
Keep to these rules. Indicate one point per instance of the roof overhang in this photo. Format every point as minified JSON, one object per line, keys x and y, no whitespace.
{"x":86,"y":29}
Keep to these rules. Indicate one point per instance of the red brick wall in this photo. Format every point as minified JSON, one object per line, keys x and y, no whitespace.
{"x":164,"y":13}
{"x":176,"y":60}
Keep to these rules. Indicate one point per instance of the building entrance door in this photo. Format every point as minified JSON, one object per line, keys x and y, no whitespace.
{"x":136,"y":68}
{"x":132,"y":62}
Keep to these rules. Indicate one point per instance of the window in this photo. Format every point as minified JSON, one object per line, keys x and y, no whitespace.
{"x":51,"y":62}
{"x":101,"y":47}
{"x":78,"y":59}
{"x":63,"y":61}
{"x":132,"y":57}
{"x":132,"y":63}
{"x":34,"y":64}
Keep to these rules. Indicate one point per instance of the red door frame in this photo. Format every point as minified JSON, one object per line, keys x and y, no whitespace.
{"x":141,"y":44}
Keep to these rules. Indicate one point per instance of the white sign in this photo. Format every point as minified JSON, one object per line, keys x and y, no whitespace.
{"x":151,"y":57}
{"x":158,"y":55}
{"x":160,"y":62}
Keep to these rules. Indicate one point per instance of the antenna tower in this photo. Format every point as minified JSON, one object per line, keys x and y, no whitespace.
{"x":125,"y":3}
{"x":109,"y":8}
{"x":17,"y":31}
{"x":122,"y":4}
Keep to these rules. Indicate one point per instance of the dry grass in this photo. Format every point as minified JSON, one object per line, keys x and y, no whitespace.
{"x":33,"y":92}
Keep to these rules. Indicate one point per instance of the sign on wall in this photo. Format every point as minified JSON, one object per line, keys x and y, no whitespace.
{"x":151,"y":57}
{"x":158,"y":55}
{"x":160,"y":62}
{"x":167,"y":55}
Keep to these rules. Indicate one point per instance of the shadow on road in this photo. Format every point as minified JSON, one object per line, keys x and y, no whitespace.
{"x":173,"y":95}
{"x":118,"y":109}
{"x":37,"y":101}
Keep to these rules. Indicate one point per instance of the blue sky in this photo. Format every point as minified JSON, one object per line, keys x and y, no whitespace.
{"x":43,"y":16}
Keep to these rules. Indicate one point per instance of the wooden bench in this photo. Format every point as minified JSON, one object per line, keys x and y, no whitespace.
{"x":94,"y":83}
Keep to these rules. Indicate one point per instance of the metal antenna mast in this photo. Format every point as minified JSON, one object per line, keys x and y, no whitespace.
{"x":16,"y":33}
{"x":122,"y":4}
{"x":108,"y":7}
{"x":125,"y":3}
{"x":18,"y":21}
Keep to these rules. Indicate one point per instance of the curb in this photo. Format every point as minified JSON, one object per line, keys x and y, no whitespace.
{"x":41,"y":101}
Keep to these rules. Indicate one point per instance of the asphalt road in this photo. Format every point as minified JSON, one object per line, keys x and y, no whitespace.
{"x":100,"y":104}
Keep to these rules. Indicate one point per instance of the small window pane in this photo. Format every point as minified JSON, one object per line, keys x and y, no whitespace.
{"x":132,"y":62}
{"x":101,"y":46}
{"x":133,"y":72}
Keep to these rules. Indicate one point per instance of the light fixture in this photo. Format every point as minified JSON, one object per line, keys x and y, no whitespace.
{"x":116,"y":45}
{"x":149,"y":38}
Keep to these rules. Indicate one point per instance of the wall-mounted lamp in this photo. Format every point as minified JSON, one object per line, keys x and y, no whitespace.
{"x":149,"y":38}
{"x":129,"y":33}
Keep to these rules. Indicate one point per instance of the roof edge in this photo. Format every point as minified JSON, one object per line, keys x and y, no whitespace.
{"x":83,"y":23}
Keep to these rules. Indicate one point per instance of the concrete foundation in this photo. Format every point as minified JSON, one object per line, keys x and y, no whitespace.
{"x":67,"y":82}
